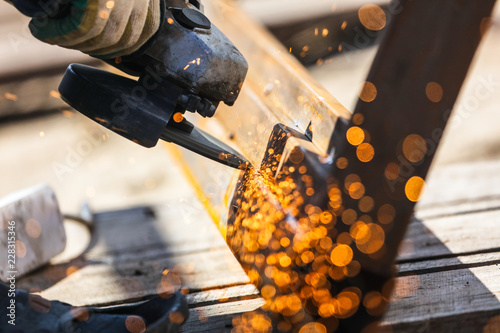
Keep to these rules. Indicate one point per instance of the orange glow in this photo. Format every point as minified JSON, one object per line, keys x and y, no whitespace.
{"x":68,"y":114}
{"x":176,"y":317}
{"x":386,"y":214}
{"x":326,"y":310}
{"x":406,"y":286}
{"x":326,"y":243}
{"x":55,"y":94}
{"x":285,"y":261}
{"x":352,"y":269}
{"x":11,"y":96}
{"x":313,"y":328}
{"x":360,"y":232}
{"x":365,"y":152}
{"x":104,"y":14}
{"x":414,"y":188}
{"x":369,"y":237}
{"x":434,"y":92}
{"x":372,"y":17}
{"x":336,"y":273}
{"x":355,"y":135}
{"x":347,"y":304}
{"x":344,"y":25}
{"x":70,"y":270}
{"x":341,"y":255}
{"x":414,"y":148}
{"x":326,"y":217}
{"x":358,"y":119}
{"x":374,"y":303}
{"x":368,"y":92}
{"x":307,"y":257}
{"x":344,"y":238}
{"x":168,"y":285}
{"x":349,"y":216}
{"x":366,"y":204}
{"x":284,"y":241}
{"x":352,"y":178}
{"x":33,"y":228}
{"x":110,"y":4}
{"x":392,"y":171}
{"x":135,"y":324}
{"x":356,"y":190}
{"x":342,"y":163}
{"x":288,"y":304}
{"x":268,"y":291}
{"x":178,"y":117}
{"x":20,"y":249}
{"x":323,"y":253}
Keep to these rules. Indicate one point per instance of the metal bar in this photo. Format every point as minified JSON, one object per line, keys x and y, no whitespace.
{"x":410,"y":91}
{"x":319,"y":238}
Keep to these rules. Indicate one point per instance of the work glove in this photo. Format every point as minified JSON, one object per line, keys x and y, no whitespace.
{"x":101,"y":28}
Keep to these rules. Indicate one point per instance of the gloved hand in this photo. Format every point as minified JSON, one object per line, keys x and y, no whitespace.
{"x":102,"y":28}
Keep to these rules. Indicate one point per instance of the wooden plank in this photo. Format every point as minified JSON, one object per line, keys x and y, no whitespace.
{"x":460,"y":300}
{"x":218,"y":318}
{"x":209,"y":297}
{"x":132,"y":253}
{"x":169,"y":233}
{"x":460,"y":188}
{"x":121,"y":268}
{"x":446,"y":264}
{"x":115,"y":283}
{"x":423,"y":302}
{"x":420,"y":300}
{"x":457,"y":234}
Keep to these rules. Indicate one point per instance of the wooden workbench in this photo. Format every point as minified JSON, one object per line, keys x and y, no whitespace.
{"x":449,"y":272}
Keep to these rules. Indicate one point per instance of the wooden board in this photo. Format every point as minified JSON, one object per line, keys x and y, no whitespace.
{"x":133,"y":249}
